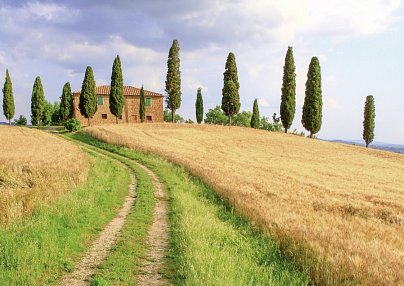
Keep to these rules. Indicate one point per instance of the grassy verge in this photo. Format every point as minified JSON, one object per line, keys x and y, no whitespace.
{"x":38,"y":248}
{"x":121,"y":265}
{"x":209,"y":244}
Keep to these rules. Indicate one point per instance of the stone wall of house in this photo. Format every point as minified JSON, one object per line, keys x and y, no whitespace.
{"x":130,"y":112}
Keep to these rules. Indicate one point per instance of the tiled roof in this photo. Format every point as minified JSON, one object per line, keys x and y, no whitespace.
{"x":127,"y":90}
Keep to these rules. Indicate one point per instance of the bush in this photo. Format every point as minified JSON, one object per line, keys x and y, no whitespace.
{"x":72,"y":125}
{"x":22,"y":120}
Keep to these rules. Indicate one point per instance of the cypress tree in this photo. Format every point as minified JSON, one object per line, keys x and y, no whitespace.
{"x":142,"y":107}
{"x":66,"y":103}
{"x":116,"y":98}
{"x":369,"y":120}
{"x":199,"y":106}
{"x":8,"y":99}
{"x":37,"y":102}
{"x":231,"y":97}
{"x":173,"y":80}
{"x":255,"y":118}
{"x":313,"y":104}
{"x":288,"y":98}
{"x":88,"y":96}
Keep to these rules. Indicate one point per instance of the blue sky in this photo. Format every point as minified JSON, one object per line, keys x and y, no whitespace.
{"x":360,"y":45}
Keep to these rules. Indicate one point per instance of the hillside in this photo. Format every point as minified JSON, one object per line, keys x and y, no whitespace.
{"x":35,"y":167}
{"x":339,"y":202}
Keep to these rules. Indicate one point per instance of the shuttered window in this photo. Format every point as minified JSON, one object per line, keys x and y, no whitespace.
{"x":148,"y":101}
{"x":100,"y":100}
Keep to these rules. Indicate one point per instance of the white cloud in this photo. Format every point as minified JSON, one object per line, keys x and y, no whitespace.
{"x":263,"y":102}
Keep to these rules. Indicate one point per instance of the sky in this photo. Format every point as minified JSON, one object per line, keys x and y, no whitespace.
{"x":360,"y":46}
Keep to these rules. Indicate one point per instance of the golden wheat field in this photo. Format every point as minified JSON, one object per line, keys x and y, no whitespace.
{"x":35,"y":168}
{"x":343,"y":204}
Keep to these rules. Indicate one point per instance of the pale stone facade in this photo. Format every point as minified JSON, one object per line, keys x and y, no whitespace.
{"x":130,"y":113}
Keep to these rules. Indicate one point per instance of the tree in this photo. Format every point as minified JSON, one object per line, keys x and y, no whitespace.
{"x":173,"y":80}
{"x":255,"y":118}
{"x":8,"y":99}
{"x":56,"y":115}
{"x":168,"y":117}
{"x":88,"y":96}
{"x":216,"y":116}
{"x":47,"y":113}
{"x":142,"y":107}
{"x":313,"y":104}
{"x":199,"y":106}
{"x":66,"y":103}
{"x":369,"y":120}
{"x":22,"y":120}
{"x":231,"y":98}
{"x":242,"y":119}
{"x":116,"y":99}
{"x":37,"y":102}
{"x":288,"y":98}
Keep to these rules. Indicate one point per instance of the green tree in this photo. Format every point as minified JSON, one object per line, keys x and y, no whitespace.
{"x":242,"y":119}
{"x":231,"y":97}
{"x":173,"y":80}
{"x":313,"y":104}
{"x":66,"y":103}
{"x":8,"y":99}
{"x":199,"y":106}
{"x":369,"y":120}
{"x":22,"y":120}
{"x":116,"y":99}
{"x":142,"y":107}
{"x":56,"y":114}
{"x":88,"y":96}
{"x":46,"y":118}
{"x":216,"y":116}
{"x":255,"y":118}
{"x":168,"y":117}
{"x":37,"y":102}
{"x":288,"y":98}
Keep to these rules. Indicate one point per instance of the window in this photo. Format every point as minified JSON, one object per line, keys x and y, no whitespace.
{"x":148,"y":101}
{"x":104,"y":116}
{"x":148,"y":118}
{"x":100,"y":100}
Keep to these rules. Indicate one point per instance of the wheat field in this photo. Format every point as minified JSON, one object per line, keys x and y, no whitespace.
{"x":336,"y":210}
{"x":35,"y":168}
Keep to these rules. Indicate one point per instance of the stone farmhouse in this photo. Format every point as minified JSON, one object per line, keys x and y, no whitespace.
{"x":130,"y":113}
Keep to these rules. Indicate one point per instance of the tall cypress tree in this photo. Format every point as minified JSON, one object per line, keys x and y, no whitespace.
{"x":231,"y":97}
{"x":255,"y":118}
{"x":66,"y":103}
{"x":173,"y":80}
{"x":116,"y":98}
{"x":8,"y":99}
{"x":88,"y":96}
{"x":313,"y":103}
{"x":199,"y":106}
{"x":142,"y":107}
{"x":369,"y":120}
{"x":37,"y":102}
{"x":288,"y":98}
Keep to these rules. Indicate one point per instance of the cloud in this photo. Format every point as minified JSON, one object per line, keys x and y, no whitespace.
{"x":263,"y":102}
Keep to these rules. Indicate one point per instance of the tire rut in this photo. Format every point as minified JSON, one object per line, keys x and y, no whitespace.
{"x":87,"y":266}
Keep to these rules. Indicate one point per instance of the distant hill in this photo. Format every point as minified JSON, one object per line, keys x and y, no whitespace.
{"x":396,"y":148}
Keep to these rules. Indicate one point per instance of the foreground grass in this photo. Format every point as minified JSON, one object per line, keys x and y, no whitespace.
{"x":122,"y":263}
{"x":38,"y":248}
{"x":209,"y":244}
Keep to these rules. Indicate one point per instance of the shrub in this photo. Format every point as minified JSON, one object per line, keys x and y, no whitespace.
{"x":72,"y":125}
{"x":22,"y":120}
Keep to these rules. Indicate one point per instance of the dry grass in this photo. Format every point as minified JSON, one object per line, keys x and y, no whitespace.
{"x":35,"y":168}
{"x":337,"y":210}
